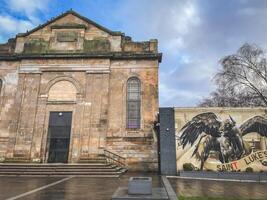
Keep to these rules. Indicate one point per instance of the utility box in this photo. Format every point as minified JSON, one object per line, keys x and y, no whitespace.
{"x":140,"y":185}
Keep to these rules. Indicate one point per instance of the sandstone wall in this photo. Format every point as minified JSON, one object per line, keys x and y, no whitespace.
{"x":9,"y":105}
{"x":99,"y":108}
{"x":71,"y":63}
{"x":137,"y":145}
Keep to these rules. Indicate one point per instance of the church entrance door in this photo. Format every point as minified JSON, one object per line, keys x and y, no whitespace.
{"x":59,"y":136}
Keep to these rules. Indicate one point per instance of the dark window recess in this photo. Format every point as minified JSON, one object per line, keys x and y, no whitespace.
{"x":59,"y":136}
{"x":133,"y":103}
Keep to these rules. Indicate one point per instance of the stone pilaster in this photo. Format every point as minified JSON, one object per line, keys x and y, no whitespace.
{"x":85,"y":136}
{"x":38,"y":148}
{"x":13,"y":126}
{"x":95,"y":114}
{"x":104,"y":111}
{"x":27,"y":116}
{"x":77,"y":129}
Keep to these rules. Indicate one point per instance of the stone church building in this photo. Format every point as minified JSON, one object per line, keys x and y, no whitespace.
{"x":70,"y":89}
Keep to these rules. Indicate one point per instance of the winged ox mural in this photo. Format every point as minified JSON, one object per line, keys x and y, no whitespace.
{"x":207,"y":133}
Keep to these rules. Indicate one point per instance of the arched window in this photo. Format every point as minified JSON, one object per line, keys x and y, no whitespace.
{"x":133,"y":103}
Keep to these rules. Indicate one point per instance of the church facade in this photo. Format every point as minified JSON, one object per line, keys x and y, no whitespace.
{"x":70,"y":89}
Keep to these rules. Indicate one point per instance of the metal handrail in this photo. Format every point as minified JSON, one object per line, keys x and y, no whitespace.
{"x":115,"y":158}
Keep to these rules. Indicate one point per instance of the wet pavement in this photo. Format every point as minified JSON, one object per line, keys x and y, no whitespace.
{"x":13,"y":186}
{"x":86,"y":188}
{"x":76,"y":188}
{"x":205,"y":188}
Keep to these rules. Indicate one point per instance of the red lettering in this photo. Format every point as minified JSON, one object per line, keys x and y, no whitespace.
{"x":234,"y":164}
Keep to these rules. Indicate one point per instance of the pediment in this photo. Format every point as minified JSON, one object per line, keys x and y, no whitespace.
{"x":69,"y":20}
{"x":69,"y":32}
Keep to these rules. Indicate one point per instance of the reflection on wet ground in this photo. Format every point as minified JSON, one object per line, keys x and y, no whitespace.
{"x":205,"y":188}
{"x":76,"y":188}
{"x":84,"y":188}
{"x":13,"y":186}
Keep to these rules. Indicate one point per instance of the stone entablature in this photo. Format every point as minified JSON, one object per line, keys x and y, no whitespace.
{"x":73,"y":64}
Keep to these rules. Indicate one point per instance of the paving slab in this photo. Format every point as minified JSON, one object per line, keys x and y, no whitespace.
{"x":13,"y":186}
{"x":157,"y":194}
{"x":216,"y":189}
{"x":76,"y":188}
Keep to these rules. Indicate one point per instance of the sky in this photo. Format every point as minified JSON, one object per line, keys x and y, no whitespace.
{"x":193,"y":35}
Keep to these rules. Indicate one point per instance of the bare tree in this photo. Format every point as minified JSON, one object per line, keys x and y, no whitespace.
{"x":242,"y":80}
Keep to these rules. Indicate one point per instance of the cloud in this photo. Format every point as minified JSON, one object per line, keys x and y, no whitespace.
{"x":193,"y":36}
{"x":181,"y":96}
{"x":28,"y":7}
{"x":170,"y":22}
{"x":13,"y":25}
{"x":20,"y":16}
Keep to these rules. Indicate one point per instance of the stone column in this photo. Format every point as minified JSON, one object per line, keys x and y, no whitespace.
{"x":77,"y":129}
{"x":95,"y":114}
{"x":37,"y":147}
{"x":13,"y":127}
{"x":104,"y":112}
{"x":27,"y":115}
{"x":84,"y":151}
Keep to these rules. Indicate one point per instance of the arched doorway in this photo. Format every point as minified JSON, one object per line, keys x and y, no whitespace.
{"x":59,"y":127}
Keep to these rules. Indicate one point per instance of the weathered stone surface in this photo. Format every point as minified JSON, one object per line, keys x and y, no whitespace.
{"x":36,"y":46}
{"x":96,"y":45}
{"x":140,"y":185}
{"x":58,"y":67}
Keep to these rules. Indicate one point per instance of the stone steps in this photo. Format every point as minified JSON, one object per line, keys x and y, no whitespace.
{"x":59,"y":173}
{"x":92,"y":161}
{"x":40,"y":166}
{"x":59,"y":170}
{"x":88,"y":170}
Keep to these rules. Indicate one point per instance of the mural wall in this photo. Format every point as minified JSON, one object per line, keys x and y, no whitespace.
{"x":221,"y":139}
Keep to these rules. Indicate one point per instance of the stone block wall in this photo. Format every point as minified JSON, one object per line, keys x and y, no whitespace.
{"x":99,"y":109}
{"x":73,"y":64}
{"x":8,"y":99}
{"x":137,"y":145}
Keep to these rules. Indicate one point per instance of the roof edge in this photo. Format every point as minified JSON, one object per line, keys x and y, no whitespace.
{"x":114,"y":33}
{"x":154,"y":56}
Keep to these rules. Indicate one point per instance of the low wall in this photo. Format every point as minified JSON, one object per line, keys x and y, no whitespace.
{"x":233,"y":176}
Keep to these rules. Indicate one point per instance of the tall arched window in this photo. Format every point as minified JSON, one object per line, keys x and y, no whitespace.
{"x":133,"y":103}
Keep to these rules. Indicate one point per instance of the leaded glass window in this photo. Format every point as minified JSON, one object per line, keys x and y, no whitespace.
{"x":133,"y":103}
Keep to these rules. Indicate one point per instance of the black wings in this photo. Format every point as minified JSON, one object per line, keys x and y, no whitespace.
{"x":256,"y":124}
{"x":204,"y":122}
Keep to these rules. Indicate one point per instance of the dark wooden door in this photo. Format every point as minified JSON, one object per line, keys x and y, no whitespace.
{"x":59,"y":136}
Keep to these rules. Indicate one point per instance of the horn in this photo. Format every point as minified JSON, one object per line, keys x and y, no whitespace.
{"x":232,"y":119}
